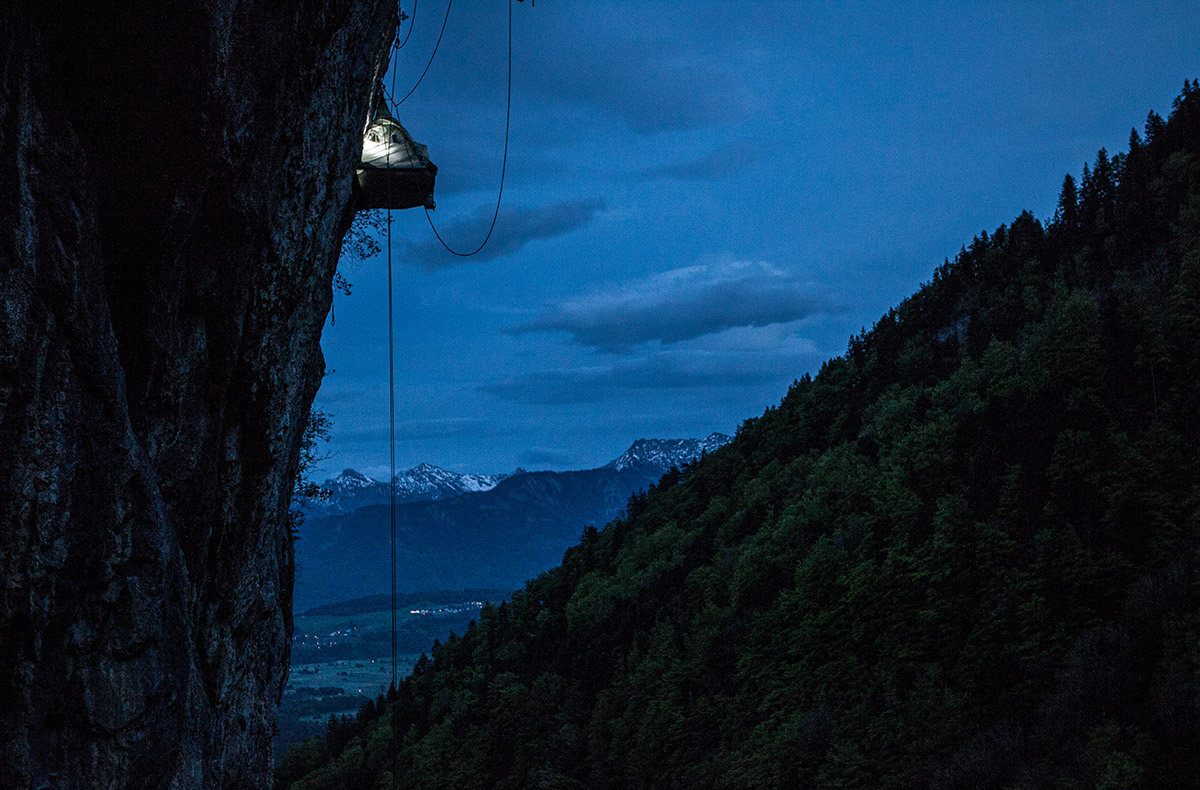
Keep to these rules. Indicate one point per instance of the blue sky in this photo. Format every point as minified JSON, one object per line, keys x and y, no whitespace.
{"x":704,"y":201}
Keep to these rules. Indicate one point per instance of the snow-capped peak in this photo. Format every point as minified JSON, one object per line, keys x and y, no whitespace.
{"x":348,"y":480}
{"x":439,"y":483}
{"x":352,"y":489}
{"x":665,"y":453}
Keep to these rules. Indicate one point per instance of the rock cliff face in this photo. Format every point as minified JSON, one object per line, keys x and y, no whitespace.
{"x":174,"y":182}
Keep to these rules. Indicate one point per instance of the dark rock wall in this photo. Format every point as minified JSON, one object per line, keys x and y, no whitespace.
{"x":174,"y":182}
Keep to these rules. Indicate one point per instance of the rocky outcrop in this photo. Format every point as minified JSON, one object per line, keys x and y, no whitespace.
{"x":174,"y":182}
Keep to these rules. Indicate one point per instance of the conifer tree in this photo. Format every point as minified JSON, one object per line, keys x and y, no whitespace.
{"x":1066,"y":216}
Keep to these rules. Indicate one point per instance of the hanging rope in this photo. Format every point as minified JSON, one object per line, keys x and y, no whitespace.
{"x":432,"y":55}
{"x":391,"y":326}
{"x":412,"y":21}
{"x":392,"y":445}
{"x":503,"y":165}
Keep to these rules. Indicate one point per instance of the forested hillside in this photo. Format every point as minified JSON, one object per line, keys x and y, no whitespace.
{"x":964,"y":555}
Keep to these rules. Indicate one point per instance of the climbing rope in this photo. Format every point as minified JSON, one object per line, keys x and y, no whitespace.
{"x":432,"y":55}
{"x":504,"y":163}
{"x":391,"y":326}
{"x":392,"y":446}
{"x":392,"y":443}
{"x":412,"y":21}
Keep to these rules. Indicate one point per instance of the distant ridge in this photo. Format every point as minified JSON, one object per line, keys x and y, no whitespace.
{"x":497,"y":535}
{"x":666,"y":453}
{"x":423,"y":483}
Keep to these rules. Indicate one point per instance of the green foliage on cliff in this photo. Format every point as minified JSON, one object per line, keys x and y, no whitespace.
{"x":966,"y":554}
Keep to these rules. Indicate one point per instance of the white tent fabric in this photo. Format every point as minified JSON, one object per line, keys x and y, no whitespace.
{"x":387,"y":144}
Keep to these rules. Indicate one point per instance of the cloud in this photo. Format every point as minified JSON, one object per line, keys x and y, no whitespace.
{"x":539,"y":458}
{"x":682,"y":304}
{"x":466,"y":169}
{"x":670,"y":369}
{"x":726,"y":161}
{"x":651,"y":86}
{"x":515,"y":227}
{"x":437,"y":428}
{"x":651,"y":68}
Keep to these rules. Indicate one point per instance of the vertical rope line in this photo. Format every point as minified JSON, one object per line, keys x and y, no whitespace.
{"x":392,"y":440}
{"x":392,"y":445}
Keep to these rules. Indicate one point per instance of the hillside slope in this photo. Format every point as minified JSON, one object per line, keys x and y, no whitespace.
{"x":965,"y":555}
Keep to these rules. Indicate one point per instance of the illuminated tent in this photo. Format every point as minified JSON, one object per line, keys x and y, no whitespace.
{"x":395,"y":171}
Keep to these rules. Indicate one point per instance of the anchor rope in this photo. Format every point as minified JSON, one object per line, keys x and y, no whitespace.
{"x":503,"y":165}
{"x":432,"y":55}
{"x":412,"y":20}
{"x":392,"y":447}
{"x":391,"y":326}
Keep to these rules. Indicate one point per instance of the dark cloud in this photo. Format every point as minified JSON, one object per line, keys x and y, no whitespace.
{"x":515,"y":227}
{"x":416,"y":429}
{"x":728,"y":160}
{"x":664,"y":370}
{"x":641,"y":66}
{"x":474,"y":169}
{"x":539,"y":457}
{"x":644,"y":67}
{"x":682,"y":304}
{"x":649,"y":85}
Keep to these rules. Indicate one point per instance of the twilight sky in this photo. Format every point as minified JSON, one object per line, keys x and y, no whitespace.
{"x":704,"y":201}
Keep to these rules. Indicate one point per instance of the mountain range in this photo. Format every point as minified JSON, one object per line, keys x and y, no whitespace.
{"x":457,"y":531}
{"x":424,"y":482}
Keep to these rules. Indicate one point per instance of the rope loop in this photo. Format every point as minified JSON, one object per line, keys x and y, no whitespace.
{"x":503,"y":166}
